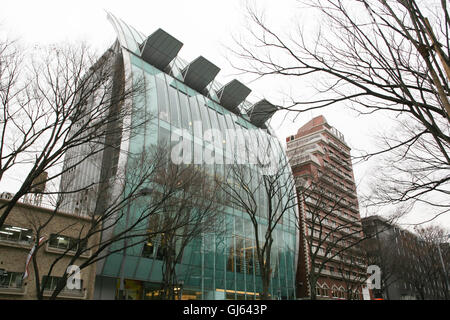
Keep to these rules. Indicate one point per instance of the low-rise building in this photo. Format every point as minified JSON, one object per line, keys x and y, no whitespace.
{"x":411,"y":268}
{"x":60,"y":235}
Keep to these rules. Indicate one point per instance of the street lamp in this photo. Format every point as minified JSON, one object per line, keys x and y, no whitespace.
{"x":141,"y":192}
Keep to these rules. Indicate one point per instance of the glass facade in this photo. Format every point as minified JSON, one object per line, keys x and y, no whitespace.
{"x":213,"y":266}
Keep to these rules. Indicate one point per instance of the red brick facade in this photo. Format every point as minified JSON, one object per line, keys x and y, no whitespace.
{"x":331,"y":226}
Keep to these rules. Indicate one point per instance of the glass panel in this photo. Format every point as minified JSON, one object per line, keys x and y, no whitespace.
{"x":150,"y":95}
{"x":137,"y":35}
{"x":124,"y":31}
{"x":194,"y":109}
{"x":11,"y":280}
{"x":26,"y":235}
{"x":163,"y":136}
{"x":63,"y":242}
{"x":222,"y":123}
{"x":230,"y":122}
{"x":239,"y":228}
{"x":213,"y":117}
{"x":13,"y":233}
{"x":149,"y":248}
{"x":174,"y":107}
{"x":198,"y":153}
{"x":186,"y":121}
{"x":176,"y":154}
{"x":132,"y":45}
{"x":204,"y":113}
{"x":215,"y":125}
{"x":249,"y":257}
{"x":196,"y":118}
{"x":53,"y":241}
{"x":239,"y":251}
{"x":163,"y":102}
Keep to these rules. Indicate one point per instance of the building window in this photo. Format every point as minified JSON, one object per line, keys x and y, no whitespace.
{"x":155,"y":247}
{"x":11,"y":279}
{"x":14,"y":233}
{"x":65,"y":243}
{"x":335,"y":292}
{"x":318,"y":291}
{"x":149,"y":247}
{"x":50,"y":283}
{"x":241,"y":257}
{"x":325,"y":292}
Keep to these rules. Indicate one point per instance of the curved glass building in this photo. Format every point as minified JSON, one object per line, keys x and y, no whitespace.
{"x":184,"y":101}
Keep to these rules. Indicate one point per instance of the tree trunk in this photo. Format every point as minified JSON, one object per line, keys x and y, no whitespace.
{"x":37,"y":282}
{"x":312,"y":285}
{"x":265,"y":277}
{"x":266,"y":286}
{"x":169,"y":275}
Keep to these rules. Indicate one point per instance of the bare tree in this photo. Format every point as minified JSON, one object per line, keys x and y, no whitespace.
{"x":332,"y":239}
{"x":147,"y":191}
{"x":194,"y":211}
{"x":376,"y":56}
{"x":411,"y":174}
{"x":266,"y":196}
{"x":58,"y":99}
{"x":421,"y":264}
{"x":352,"y":270}
{"x":11,"y":86}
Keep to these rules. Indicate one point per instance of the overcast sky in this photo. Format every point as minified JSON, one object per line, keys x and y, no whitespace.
{"x":205,"y":27}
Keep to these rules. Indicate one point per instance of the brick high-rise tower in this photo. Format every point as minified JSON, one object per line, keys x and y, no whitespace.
{"x":330,"y":261}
